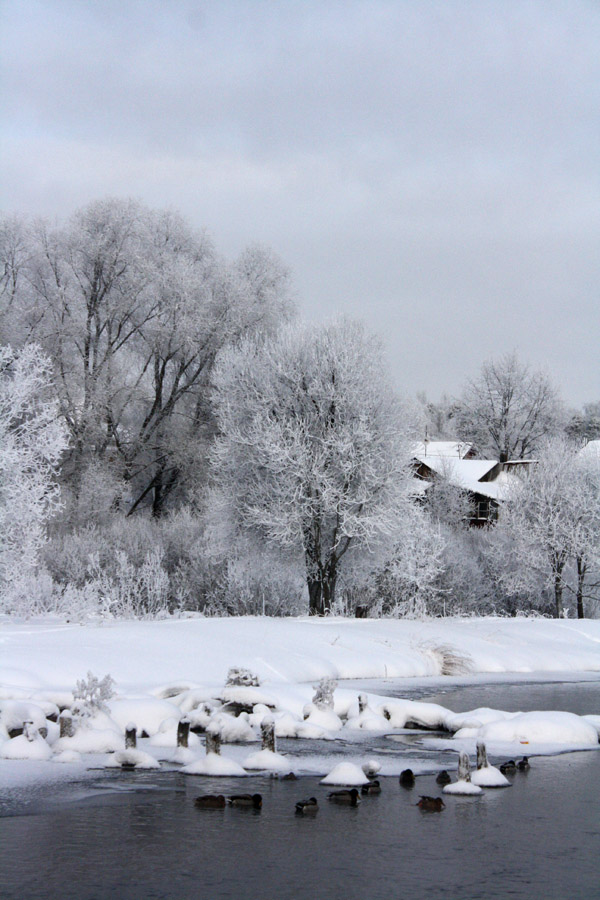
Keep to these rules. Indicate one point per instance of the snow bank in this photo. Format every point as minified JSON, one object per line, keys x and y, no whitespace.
{"x":346,"y":773}
{"x":541,"y":728}
{"x":43,"y":656}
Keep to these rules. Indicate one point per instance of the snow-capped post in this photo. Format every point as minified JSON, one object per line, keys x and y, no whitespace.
{"x":67,"y":725}
{"x":267,"y":730}
{"x":482,"y":760}
{"x":183,"y":732}
{"x":464,"y":767}
{"x":29,"y":731}
{"x":213,"y":741}
{"x":363,"y":702}
{"x":130,"y":736}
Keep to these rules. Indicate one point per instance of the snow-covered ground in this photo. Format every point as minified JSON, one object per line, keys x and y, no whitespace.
{"x":164,"y":670}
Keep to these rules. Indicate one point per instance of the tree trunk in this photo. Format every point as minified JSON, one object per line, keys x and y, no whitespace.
{"x":558,"y":589}
{"x":315,"y":596}
{"x":581,"y":570}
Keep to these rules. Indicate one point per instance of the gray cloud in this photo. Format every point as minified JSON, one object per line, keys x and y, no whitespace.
{"x":429,"y":166}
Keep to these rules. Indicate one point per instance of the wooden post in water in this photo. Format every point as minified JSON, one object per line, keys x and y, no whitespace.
{"x":67,"y":725}
{"x":130,"y":736}
{"x":464,"y":767}
{"x":482,"y":760}
{"x":267,"y":730}
{"x":183,"y":732}
{"x":213,"y":742}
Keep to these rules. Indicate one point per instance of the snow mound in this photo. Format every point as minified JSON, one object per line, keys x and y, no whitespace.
{"x":346,"y":773}
{"x":268,"y":761}
{"x":247,"y":696}
{"x":14,"y":712}
{"x":131,"y":757}
{"x":489,"y":777}
{"x":215,"y":765}
{"x":326,"y":719}
{"x":91,"y":740}
{"x":542,"y":727}
{"x":424,"y":715}
{"x":463,"y":788}
{"x":147,"y":714}
{"x":166,"y":736}
{"x":22,"y":747}
{"x":231,"y":729}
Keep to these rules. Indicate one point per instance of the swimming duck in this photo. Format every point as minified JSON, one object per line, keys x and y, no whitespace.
{"x":407,"y":778}
{"x":373,"y":788}
{"x":308,"y":807}
{"x":523,"y":765}
{"x":508,"y":768}
{"x":350,"y":798}
{"x":431,"y":804}
{"x":210,"y":801}
{"x":443,"y":778}
{"x":246,"y":801}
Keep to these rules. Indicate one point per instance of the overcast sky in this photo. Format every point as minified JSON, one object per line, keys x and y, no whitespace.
{"x":430,"y":167}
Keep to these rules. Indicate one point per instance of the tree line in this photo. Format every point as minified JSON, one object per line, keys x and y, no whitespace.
{"x":172,"y":437}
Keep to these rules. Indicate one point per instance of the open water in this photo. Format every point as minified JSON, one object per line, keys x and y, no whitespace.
{"x":138,"y":835}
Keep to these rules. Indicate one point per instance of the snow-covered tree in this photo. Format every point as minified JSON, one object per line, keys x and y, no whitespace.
{"x":32,"y":442}
{"x":508,"y":409}
{"x":551,"y":521}
{"x":132,"y":305}
{"x":312,"y":454}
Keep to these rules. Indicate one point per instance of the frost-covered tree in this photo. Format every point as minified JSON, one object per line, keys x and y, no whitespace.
{"x":312,"y":454}
{"x":132,"y":306}
{"x":551,"y":521}
{"x":32,"y":442}
{"x":507,"y":410}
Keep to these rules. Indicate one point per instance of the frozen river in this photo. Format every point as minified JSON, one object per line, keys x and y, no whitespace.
{"x":138,"y":835}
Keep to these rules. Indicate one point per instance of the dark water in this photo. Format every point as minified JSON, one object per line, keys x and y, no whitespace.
{"x":136,"y":835}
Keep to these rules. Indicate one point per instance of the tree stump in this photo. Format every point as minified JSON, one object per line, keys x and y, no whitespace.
{"x":130,"y":737}
{"x":213,"y":742}
{"x":267,"y":730}
{"x":464,"y":767}
{"x":482,"y":760}
{"x":183,"y":732}
{"x":67,"y":724}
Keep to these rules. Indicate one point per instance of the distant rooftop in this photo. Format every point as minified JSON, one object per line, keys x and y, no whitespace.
{"x":446,"y":449}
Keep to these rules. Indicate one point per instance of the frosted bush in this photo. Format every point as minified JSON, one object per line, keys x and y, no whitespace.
{"x":323,"y":698}
{"x":91,"y":696}
{"x":239,"y":677}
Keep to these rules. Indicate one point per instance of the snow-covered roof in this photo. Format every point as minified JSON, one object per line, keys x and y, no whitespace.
{"x":500,"y":488}
{"x":591,"y":451}
{"x":447,"y":449}
{"x":461,"y":472}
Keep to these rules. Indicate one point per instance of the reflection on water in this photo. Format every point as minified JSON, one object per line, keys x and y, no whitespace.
{"x":539,"y":838}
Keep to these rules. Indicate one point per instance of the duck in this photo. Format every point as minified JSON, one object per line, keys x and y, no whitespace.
{"x":350,"y":798}
{"x":407,"y":778}
{"x":246,"y":801}
{"x":508,"y":768}
{"x":523,"y":765}
{"x":431,"y":804}
{"x":308,"y":807}
{"x":372,"y":788}
{"x":210,"y":801}
{"x":443,"y":777}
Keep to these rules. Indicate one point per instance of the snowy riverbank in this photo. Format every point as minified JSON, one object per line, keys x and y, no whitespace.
{"x":47,"y":654}
{"x":165,"y":670}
